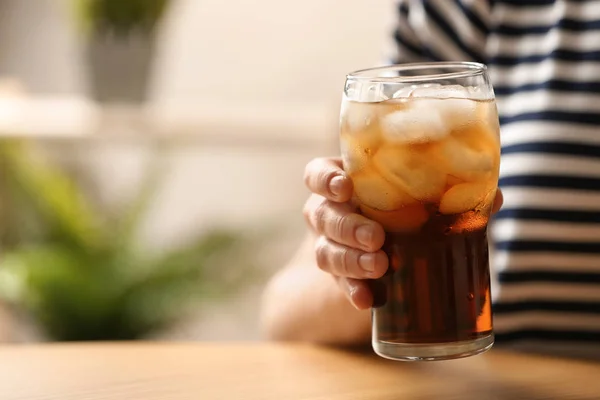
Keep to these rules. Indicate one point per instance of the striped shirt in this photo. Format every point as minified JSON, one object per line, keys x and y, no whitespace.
{"x":544,"y":61}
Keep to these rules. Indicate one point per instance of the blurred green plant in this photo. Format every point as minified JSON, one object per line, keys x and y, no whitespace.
{"x":80,"y":274}
{"x":119,"y":17}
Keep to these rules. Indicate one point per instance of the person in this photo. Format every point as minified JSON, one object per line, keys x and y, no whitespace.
{"x":544,"y":61}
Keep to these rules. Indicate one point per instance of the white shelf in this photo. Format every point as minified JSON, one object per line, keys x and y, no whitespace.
{"x":74,"y":117}
{"x":46,"y":116}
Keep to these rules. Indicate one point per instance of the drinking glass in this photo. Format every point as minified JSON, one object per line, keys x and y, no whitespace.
{"x":421,"y":145}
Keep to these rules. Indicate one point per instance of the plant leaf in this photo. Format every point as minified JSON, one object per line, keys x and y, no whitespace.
{"x":182,"y":276}
{"x":129,"y":221}
{"x":55,"y":197}
{"x":62,"y":288}
{"x":119,"y":17}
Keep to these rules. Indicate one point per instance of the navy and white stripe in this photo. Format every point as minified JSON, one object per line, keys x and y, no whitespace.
{"x":544,"y":62}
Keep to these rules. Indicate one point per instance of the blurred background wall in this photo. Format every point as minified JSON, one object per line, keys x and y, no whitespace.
{"x":252,"y":89}
{"x":265,"y":52}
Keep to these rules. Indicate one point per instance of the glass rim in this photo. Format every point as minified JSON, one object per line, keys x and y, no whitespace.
{"x":469,"y":69}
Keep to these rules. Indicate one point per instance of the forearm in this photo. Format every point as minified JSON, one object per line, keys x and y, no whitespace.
{"x":302,"y":303}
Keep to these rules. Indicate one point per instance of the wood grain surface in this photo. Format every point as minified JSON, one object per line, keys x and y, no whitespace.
{"x":256,"y":371}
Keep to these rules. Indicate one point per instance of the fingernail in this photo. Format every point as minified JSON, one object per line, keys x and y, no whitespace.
{"x":367,"y":262}
{"x":336,"y":184}
{"x":364,"y":234}
{"x":353,"y":293}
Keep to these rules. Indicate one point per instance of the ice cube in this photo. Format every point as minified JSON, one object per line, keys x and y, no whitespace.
{"x":405,"y":219}
{"x":431,"y":113}
{"x":353,"y":156}
{"x":453,"y":102}
{"x":408,"y":91}
{"x":356,"y":117}
{"x":479,"y":136}
{"x":487,"y":114}
{"x":458,"y":112}
{"x":488,"y":201}
{"x":364,"y":92}
{"x":464,"y":197}
{"x":479,"y":93}
{"x":373,"y":93}
{"x":454,"y":112}
{"x":484,"y":141}
{"x":462,"y":161}
{"x":453,"y":180}
{"x":440,"y":92}
{"x":412,"y":171}
{"x":404,"y":93}
{"x":376,"y":192}
{"x":413,"y":125}
{"x":360,"y":129}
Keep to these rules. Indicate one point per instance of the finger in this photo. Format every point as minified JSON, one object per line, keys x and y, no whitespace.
{"x":313,"y":203}
{"x":357,"y":291}
{"x":348,"y":262}
{"x":498,"y":201}
{"x":325,"y":176}
{"x":338,"y":222}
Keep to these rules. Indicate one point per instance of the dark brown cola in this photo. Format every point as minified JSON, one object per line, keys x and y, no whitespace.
{"x":437,"y":289}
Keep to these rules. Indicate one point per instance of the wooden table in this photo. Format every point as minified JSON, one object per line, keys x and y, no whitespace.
{"x":279,"y":372}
